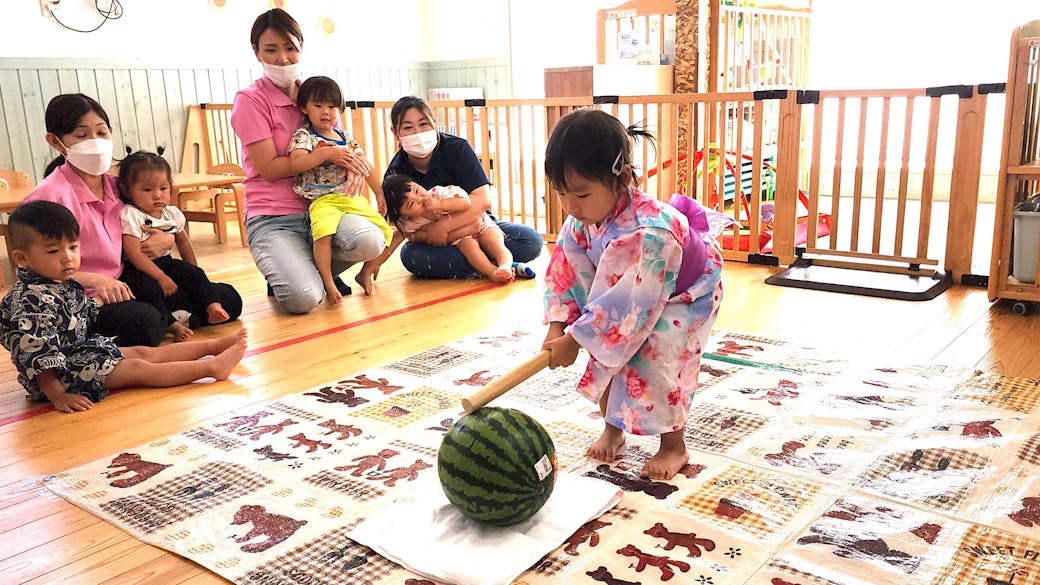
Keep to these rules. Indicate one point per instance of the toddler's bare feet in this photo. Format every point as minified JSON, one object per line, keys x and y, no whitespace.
{"x":226,"y":361}
{"x":220,"y":344}
{"x":180,"y":332}
{"x":364,"y":278}
{"x":608,"y":445}
{"x":215,"y":313}
{"x":503,"y":274}
{"x":669,"y":459}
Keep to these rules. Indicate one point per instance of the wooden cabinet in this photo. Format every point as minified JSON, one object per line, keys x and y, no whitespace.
{"x":1019,"y":176}
{"x":622,"y":79}
{"x":568,"y":81}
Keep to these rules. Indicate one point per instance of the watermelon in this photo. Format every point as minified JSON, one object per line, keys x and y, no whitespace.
{"x":497,"y":466}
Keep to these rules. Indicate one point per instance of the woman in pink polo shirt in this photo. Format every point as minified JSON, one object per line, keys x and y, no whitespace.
{"x":278,"y":229}
{"x":78,"y":128}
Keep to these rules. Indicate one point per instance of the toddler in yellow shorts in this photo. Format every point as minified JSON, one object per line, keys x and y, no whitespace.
{"x":316,"y":154}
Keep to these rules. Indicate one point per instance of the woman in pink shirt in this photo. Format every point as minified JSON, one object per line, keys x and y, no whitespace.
{"x":278,"y":229}
{"x":78,"y":128}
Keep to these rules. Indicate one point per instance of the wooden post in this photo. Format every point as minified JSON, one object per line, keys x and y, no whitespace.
{"x":788,"y":139}
{"x":714,"y":56}
{"x":686,"y":74}
{"x":964,"y":184}
{"x":357,"y":122}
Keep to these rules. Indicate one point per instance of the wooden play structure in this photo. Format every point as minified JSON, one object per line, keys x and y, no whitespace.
{"x":748,"y":46}
{"x":1013,"y":269}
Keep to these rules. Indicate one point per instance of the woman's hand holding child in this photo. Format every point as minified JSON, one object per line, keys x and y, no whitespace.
{"x":157,"y":244}
{"x":436,"y":235}
{"x":110,"y":290}
{"x":359,"y":164}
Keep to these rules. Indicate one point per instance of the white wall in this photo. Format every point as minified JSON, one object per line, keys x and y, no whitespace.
{"x":551,"y":33}
{"x":454,"y":30}
{"x":913,"y":43}
{"x":545,"y":33}
{"x":535,"y":34}
{"x":195,"y":32}
{"x":881,"y":43}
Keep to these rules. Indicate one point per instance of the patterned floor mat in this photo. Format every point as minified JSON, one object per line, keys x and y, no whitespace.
{"x":807,"y":468}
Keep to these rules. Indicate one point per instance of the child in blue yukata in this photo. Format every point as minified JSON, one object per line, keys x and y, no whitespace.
{"x":410,"y":208}
{"x":635,"y":282}
{"x":46,"y":319}
{"x":323,"y":178}
{"x":145,"y":183}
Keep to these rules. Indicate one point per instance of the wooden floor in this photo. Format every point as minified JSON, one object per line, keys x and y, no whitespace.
{"x":43,"y":539}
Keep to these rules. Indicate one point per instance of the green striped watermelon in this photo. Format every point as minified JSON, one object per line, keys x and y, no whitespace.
{"x":497,"y":465}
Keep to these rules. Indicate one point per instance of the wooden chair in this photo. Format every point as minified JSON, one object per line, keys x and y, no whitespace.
{"x":218,"y":202}
{"x":16,"y":184}
{"x":10,"y":179}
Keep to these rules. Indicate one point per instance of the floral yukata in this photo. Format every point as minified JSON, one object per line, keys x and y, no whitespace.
{"x":44,"y":324}
{"x":615,"y":288}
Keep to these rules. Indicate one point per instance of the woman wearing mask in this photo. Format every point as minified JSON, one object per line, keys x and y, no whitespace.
{"x":78,"y":128}
{"x":434,"y":158}
{"x":264,"y":117}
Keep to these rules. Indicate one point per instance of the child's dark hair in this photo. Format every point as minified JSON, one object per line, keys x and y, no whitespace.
{"x":40,"y":219}
{"x":320,"y":89}
{"x":395,"y":192}
{"x":136,"y":163}
{"x":590,"y":142}
{"x":63,"y":115}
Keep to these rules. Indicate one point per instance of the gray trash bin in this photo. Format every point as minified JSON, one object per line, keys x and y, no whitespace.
{"x":1027,"y":239}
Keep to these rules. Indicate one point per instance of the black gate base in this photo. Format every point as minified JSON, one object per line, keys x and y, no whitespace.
{"x":803,"y":274}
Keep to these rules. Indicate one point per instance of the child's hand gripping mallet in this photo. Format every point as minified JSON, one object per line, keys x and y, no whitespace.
{"x":506,"y":381}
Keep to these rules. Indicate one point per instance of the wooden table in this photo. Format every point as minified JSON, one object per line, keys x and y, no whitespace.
{"x":217,"y":190}
{"x":189,"y":181}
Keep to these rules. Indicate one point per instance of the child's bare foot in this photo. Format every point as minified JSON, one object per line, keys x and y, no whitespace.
{"x":503,"y":274}
{"x":364,"y":278}
{"x":215,"y":313}
{"x":669,"y":459}
{"x":226,"y":361}
{"x":180,"y":332}
{"x":220,"y":344}
{"x":608,"y":445}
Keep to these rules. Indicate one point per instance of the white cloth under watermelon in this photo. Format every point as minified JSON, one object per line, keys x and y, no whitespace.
{"x":428,"y":535}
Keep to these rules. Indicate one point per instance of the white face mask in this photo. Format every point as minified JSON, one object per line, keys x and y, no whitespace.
{"x":93,"y":156}
{"x":281,"y":75}
{"x":419,"y":145}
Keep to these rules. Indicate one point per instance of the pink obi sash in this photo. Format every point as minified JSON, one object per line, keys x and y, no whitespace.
{"x":695,"y":252}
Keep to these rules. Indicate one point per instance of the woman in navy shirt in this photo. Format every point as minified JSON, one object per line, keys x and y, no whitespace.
{"x":434,"y":158}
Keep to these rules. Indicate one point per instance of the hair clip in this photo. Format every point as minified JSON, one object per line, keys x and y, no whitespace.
{"x":618,"y":165}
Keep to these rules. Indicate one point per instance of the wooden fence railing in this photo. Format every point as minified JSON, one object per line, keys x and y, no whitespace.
{"x":758,"y":48}
{"x":847,"y":176}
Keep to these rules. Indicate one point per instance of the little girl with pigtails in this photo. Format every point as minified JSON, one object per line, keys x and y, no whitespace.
{"x":634,"y":281}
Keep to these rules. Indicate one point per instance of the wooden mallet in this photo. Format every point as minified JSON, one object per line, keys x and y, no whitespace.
{"x":506,"y":382}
